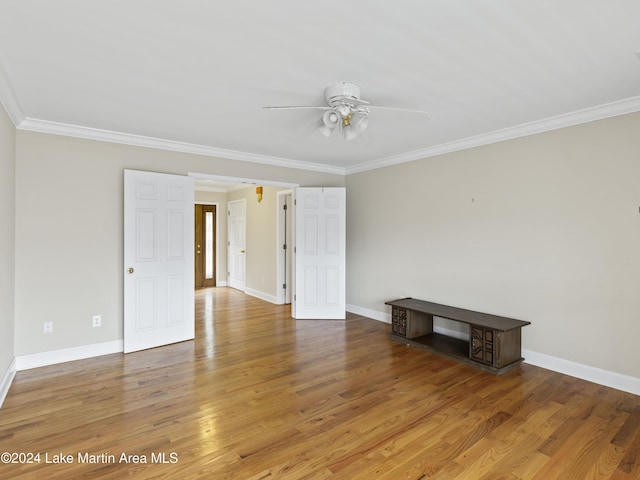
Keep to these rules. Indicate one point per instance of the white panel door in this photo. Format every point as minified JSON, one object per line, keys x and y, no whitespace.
{"x":237,"y":237}
{"x":320,"y":257}
{"x":158,"y":259}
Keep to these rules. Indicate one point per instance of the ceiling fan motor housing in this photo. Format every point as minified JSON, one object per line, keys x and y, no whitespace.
{"x":342,"y":92}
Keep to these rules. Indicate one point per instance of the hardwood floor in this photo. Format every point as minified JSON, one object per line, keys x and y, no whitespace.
{"x":261,"y":396}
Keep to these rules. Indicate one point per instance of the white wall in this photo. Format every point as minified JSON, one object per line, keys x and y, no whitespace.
{"x":69,"y":231}
{"x":544,"y":228}
{"x":7,"y":232}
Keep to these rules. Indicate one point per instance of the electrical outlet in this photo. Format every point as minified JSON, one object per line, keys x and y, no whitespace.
{"x":97,"y":321}
{"x":48,"y":327}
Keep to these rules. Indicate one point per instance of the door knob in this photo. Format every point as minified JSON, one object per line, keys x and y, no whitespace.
{"x":198,"y":251}
{"x":241,"y":251}
{"x":130,"y":270}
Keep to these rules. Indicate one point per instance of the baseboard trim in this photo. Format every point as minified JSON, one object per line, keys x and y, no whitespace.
{"x":261,"y":295}
{"x":35,"y":360}
{"x":369,"y":313}
{"x":607,"y":378}
{"x":7,"y":378}
{"x":619,"y":381}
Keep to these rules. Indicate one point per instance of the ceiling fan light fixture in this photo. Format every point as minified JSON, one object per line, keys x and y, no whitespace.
{"x":348,"y":132}
{"x":330,"y":119}
{"x":362,"y":124}
{"x":326,"y":131}
{"x":343,"y":109}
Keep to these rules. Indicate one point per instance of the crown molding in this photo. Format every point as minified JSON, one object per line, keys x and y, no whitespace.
{"x":613,"y":109}
{"x":9,"y":100}
{"x":591,"y":114}
{"x":63,"y":129}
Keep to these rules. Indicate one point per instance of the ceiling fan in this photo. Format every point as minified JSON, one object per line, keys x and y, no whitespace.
{"x":345,"y":111}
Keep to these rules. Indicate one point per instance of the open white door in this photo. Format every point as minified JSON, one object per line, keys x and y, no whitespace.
{"x":237,"y":237}
{"x":320,"y":257}
{"x":158,"y":259}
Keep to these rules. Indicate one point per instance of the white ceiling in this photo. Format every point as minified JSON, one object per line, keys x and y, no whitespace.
{"x":193,"y":75}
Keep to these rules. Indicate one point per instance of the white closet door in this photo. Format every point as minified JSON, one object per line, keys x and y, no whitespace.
{"x":237,"y":233}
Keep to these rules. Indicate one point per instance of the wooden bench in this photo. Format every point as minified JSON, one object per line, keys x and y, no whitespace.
{"x":494,"y":343}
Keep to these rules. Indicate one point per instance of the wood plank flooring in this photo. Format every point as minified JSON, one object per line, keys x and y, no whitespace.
{"x":261,"y":396}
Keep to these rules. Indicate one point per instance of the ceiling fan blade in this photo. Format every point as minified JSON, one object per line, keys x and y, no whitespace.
{"x":399,"y":109}
{"x":358,"y":100}
{"x":297,"y":107}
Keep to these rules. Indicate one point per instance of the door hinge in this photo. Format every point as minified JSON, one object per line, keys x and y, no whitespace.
{"x":295,"y":202}
{"x":229,"y":212}
{"x":284,"y":286}
{"x":284,"y":247}
{"x":284,"y":207}
{"x":294,"y":297}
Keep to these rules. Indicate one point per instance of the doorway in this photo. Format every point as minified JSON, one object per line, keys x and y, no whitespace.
{"x":205,"y":246}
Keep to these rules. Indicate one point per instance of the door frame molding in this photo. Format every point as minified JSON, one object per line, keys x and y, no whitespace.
{"x":248,"y":181}
{"x":280,"y":240}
